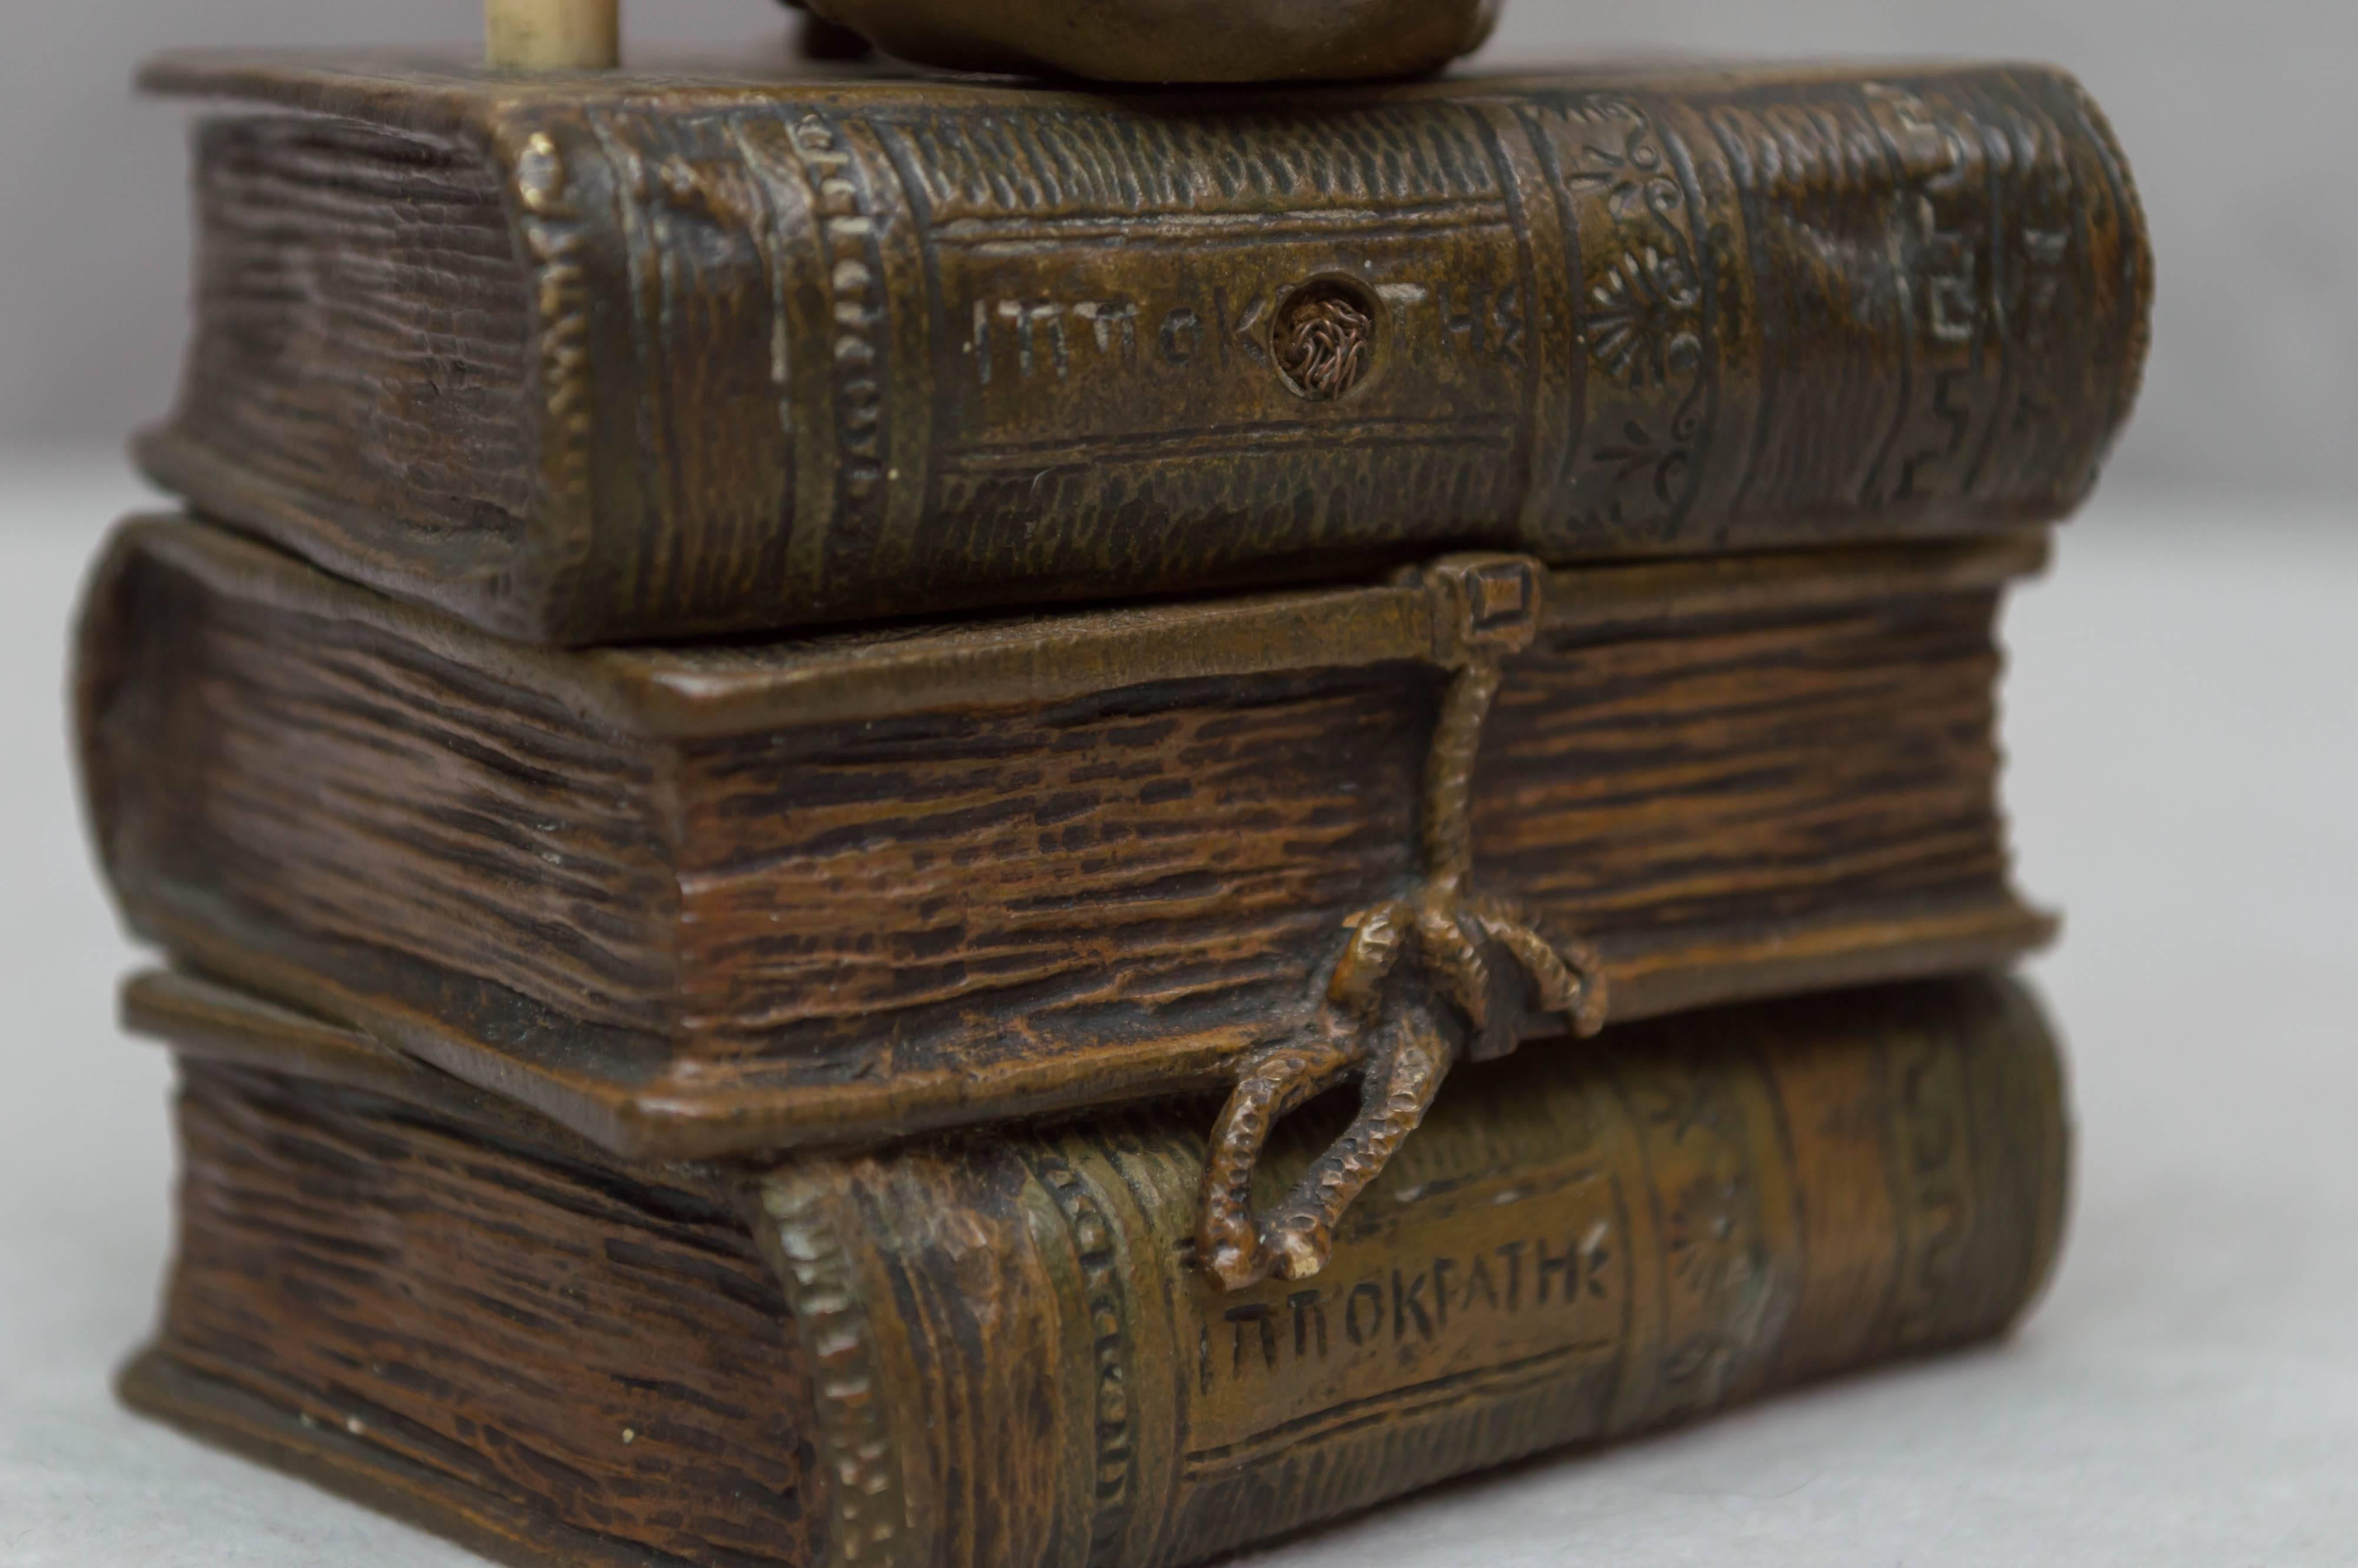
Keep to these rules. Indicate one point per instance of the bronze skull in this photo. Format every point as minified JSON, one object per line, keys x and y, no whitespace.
{"x":1174,"y":40}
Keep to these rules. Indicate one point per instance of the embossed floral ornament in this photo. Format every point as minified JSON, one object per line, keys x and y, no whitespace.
{"x":1643,"y":326}
{"x":1646,"y":330}
{"x":1703,"y":1221}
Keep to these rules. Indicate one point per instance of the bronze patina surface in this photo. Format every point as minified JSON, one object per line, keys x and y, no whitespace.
{"x":995,"y":1348}
{"x":1662,"y":439}
{"x":1175,"y":40}
{"x":676,"y":351}
{"x":729,"y":899}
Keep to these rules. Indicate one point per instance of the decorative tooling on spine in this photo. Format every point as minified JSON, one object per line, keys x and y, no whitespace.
{"x":858,"y":1451}
{"x":1400,"y":1039}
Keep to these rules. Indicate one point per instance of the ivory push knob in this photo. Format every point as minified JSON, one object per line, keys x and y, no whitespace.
{"x":552,"y":35}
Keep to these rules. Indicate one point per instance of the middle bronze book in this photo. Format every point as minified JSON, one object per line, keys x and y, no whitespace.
{"x":695,"y":902}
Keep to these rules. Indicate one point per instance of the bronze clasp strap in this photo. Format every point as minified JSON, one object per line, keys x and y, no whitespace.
{"x":1398,"y":1039}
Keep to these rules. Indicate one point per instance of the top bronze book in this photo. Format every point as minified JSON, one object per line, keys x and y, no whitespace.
{"x":647,"y":356}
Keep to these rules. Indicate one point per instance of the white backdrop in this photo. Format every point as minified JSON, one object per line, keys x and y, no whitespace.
{"x":2232,"y":112}
{"x":2181,"y":710}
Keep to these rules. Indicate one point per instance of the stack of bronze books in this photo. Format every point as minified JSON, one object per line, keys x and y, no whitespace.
{"x":800,"y":722}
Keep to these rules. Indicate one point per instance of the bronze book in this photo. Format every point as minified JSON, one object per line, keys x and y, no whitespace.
{"x":716,"y":899}
{"x":995,"y":1348}
{"x":648,"y":356}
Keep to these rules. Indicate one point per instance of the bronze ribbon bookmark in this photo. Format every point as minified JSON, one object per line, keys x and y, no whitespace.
{"x":1486,"y":610}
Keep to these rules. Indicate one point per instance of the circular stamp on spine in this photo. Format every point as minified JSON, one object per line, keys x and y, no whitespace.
{"x":1324,"y":339}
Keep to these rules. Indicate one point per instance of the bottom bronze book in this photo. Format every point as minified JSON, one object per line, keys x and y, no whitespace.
{"x":997,"y":1348}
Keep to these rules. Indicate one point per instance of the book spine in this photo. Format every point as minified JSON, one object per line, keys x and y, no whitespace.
{"x":838,"y":358}
{"x":1016,"y":1357}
